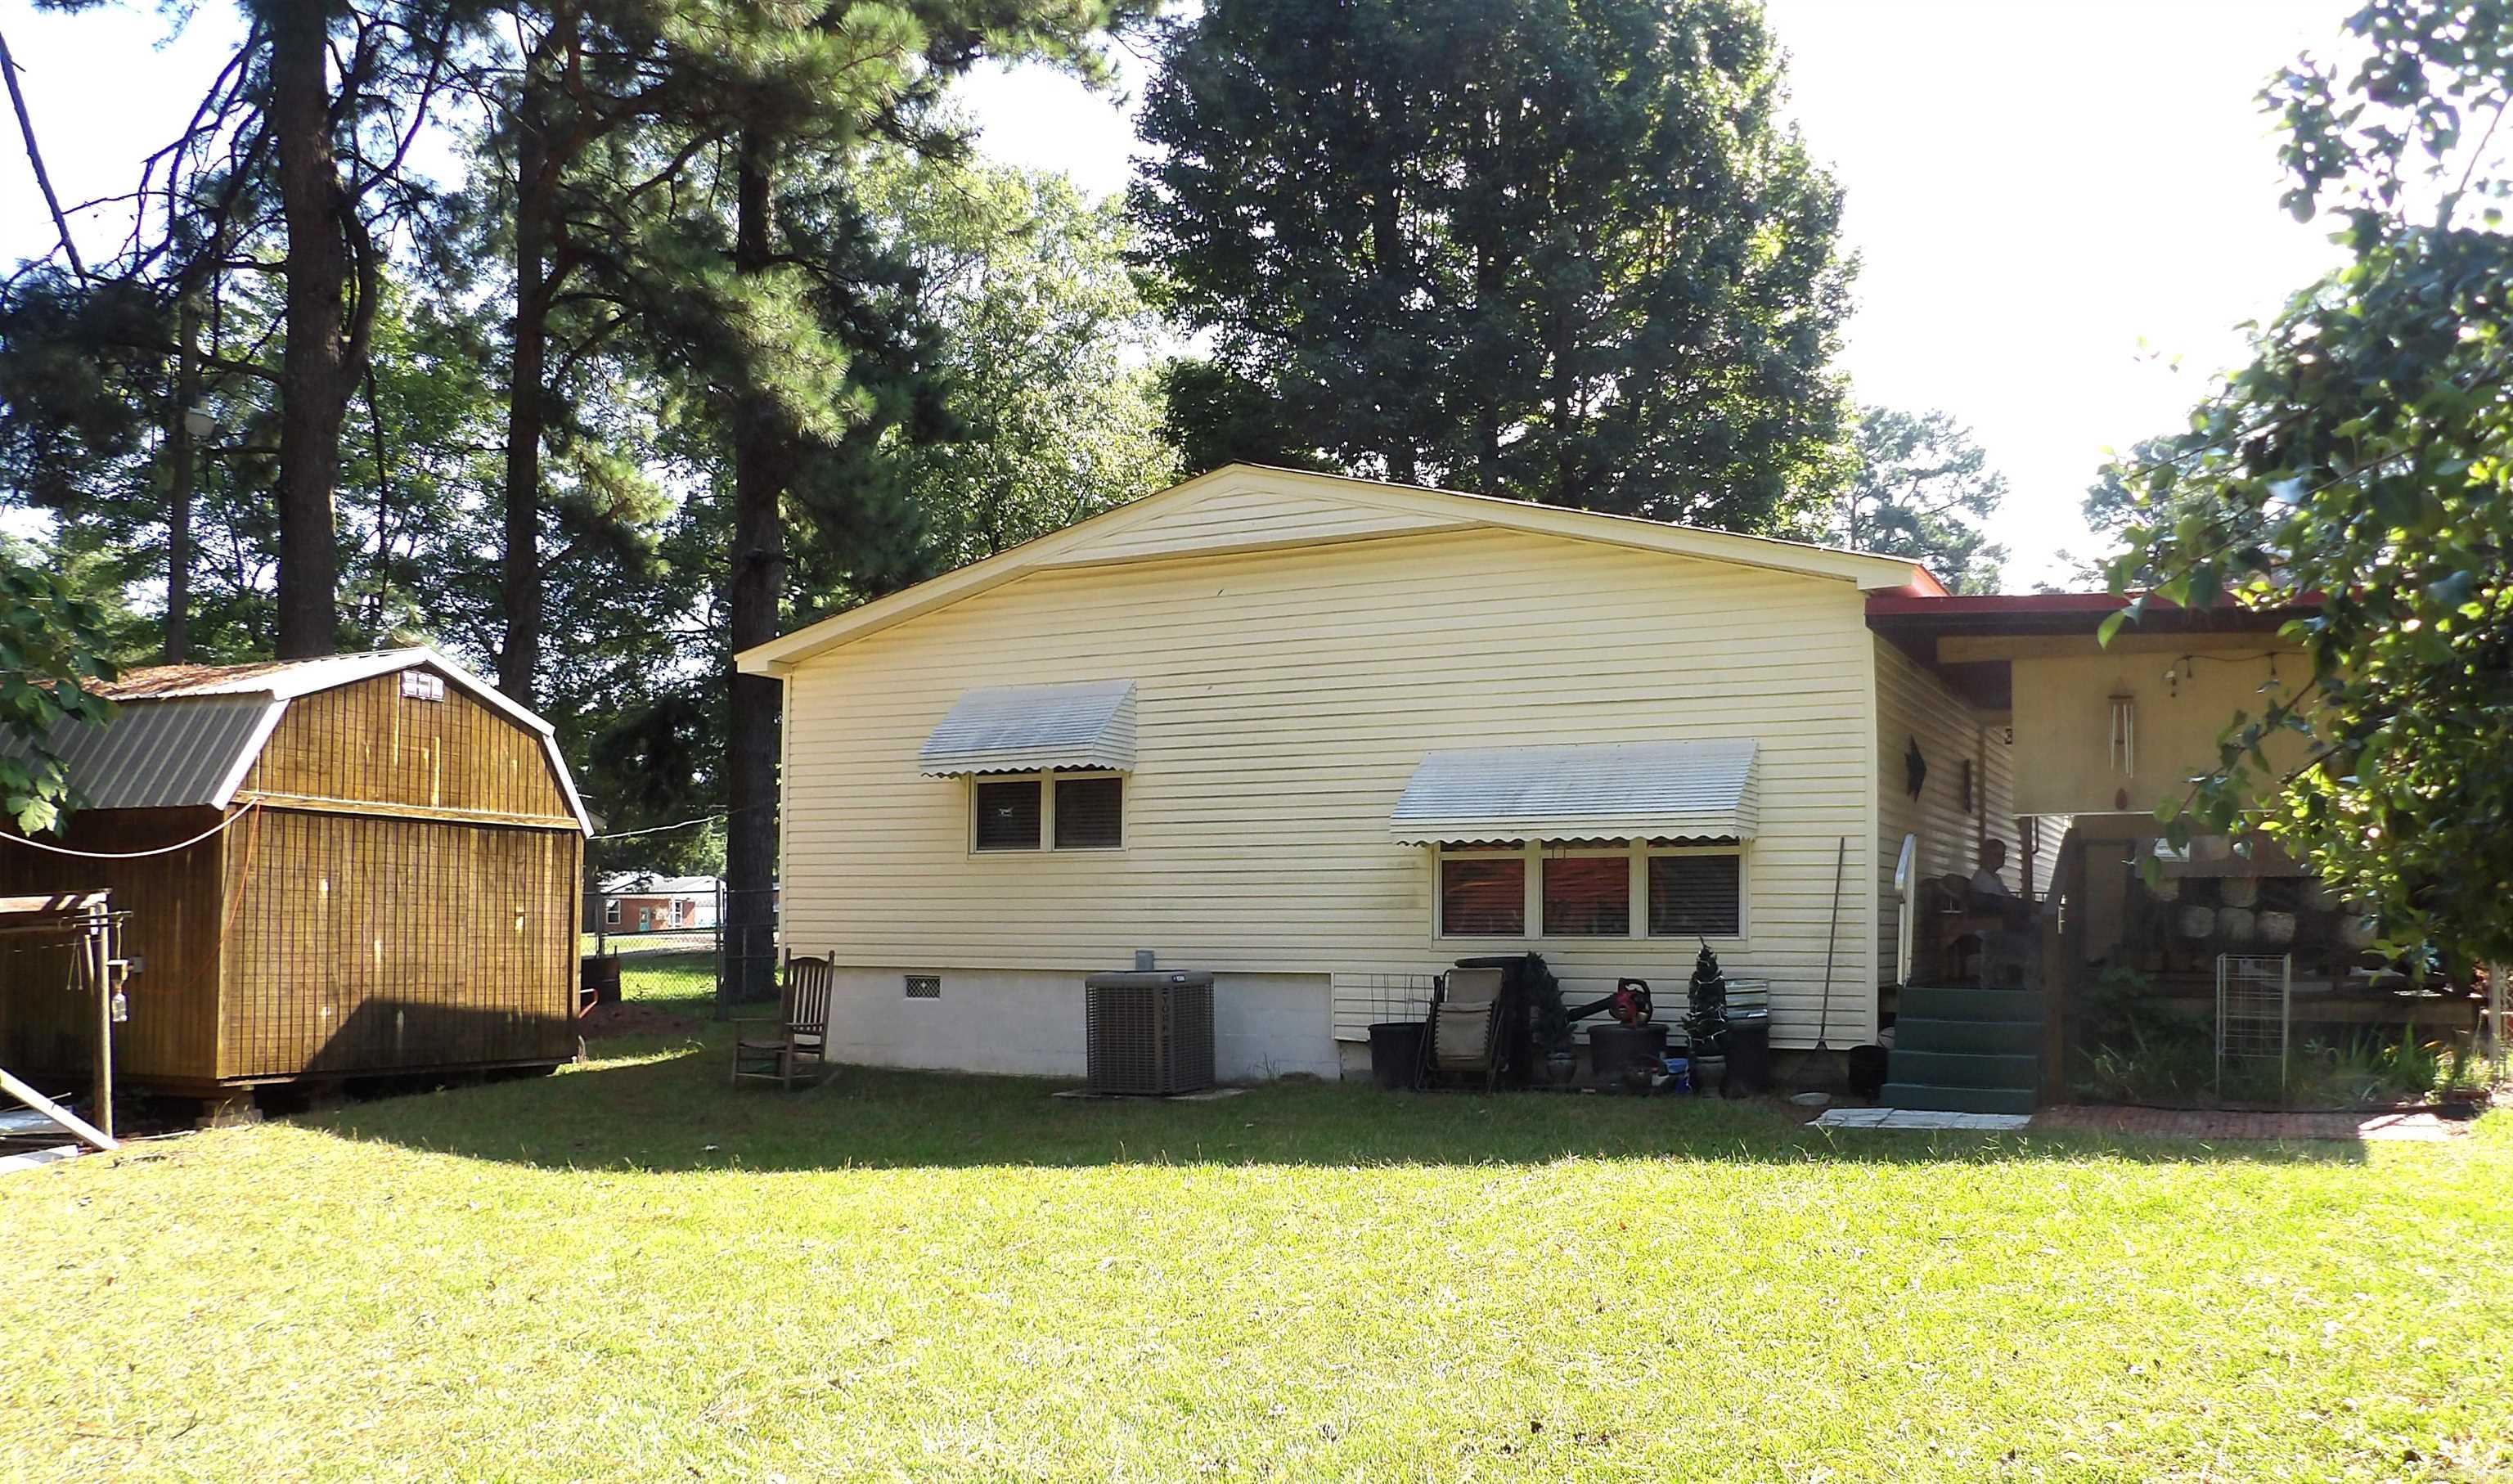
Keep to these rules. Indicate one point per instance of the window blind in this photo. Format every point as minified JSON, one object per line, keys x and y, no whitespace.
{"x":1090,"y":812}
{"x":1694,"y":895}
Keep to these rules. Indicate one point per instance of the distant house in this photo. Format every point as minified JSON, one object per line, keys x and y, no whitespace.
{"x":1323,"y":736}
{"x":641,"y":902}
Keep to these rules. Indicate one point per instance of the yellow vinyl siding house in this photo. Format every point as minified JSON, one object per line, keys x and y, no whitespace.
{"x":1268,"y":660}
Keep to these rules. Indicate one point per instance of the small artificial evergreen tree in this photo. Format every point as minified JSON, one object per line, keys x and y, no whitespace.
{"x":1705,"y":1023}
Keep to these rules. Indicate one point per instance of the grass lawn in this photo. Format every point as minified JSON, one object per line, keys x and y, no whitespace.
{"x":630,"y":1271}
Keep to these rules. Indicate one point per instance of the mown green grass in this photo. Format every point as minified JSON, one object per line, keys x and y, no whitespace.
{"x":630,"y":1271}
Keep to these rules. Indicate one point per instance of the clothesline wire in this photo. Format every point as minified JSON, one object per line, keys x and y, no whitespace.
{"x":136,"y":855}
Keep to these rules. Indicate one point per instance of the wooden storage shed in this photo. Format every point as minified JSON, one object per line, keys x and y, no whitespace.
{"x":382,"y":875}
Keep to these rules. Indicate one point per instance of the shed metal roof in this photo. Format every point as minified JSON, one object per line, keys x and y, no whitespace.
{"x":164,"y":755}
{"x":1583,"y":791}
{"x":1029,"y":728}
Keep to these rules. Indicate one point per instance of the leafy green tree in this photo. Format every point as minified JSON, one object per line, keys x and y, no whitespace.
{"x":1922,"y":487}
{"x":2112,"y":506}
{"x":1570,"y":253}
{"x":1046,"y":352}
{"x":2361,"y":456}
{"x":50,"y":647}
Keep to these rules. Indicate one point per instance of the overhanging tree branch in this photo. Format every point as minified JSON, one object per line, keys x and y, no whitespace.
{"x":35,"y":158}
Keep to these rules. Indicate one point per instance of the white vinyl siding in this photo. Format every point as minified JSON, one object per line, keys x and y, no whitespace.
{"x":1254,"y":519}
{"x":1284,"y":699}
{"x":1913,"y":702}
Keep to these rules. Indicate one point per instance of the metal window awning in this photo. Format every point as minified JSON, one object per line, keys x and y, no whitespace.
{"x":1652,"y":791}
{"x":1033,"y":728}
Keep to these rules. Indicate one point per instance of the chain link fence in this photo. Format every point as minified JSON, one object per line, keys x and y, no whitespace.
{"x":653,"y":918}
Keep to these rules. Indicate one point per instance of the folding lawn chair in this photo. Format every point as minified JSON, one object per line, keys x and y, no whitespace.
{"x":1464,"y":1038}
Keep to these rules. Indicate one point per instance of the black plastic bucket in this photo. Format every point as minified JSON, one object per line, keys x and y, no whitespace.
{"x":1749,"y":1053}
{"x":1614,"y":1048}
{"x":1396,"y":1052}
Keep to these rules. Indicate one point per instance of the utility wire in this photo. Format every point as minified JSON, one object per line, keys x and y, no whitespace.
{"x":656,"y":830}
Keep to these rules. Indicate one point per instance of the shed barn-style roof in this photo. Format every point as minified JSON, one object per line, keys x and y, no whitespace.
{"x":187,"y":734}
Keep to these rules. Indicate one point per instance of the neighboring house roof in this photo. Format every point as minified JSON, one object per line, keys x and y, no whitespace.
{"x":642,"y":884}
{"x":1027,"y":727}
{"x":1366,"y":509}
{"x":1683,"y":790}
{"x":187,"y":734}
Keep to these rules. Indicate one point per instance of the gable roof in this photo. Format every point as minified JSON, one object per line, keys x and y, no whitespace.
{"x":187,"y":734}
{"x":1344,"y":509}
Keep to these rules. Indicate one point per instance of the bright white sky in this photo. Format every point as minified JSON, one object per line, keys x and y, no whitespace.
{"x":2051,"y":201}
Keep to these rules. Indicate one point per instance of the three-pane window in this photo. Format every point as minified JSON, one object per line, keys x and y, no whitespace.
{"x":1637,"y":889}
{"x":1025,"y":812}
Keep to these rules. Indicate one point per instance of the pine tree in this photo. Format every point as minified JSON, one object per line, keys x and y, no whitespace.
{"x":1922,"y":487}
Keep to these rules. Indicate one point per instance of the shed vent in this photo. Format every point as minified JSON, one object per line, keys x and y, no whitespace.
{"x":1150,"y":1034}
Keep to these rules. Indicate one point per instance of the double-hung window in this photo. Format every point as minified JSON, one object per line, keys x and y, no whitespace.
{"x":1048,"y":811}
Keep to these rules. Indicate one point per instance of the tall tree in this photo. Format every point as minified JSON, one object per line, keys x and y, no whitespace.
{"x":566,"y":170}
{"x":2359,"y":456}
{"x":316,"y":370}
{"x":1570,"y":253}
{"x":1920,"y":487}
{"x":315,"y":116}
{"x":783,"y":321}
{"x":1048,"y":351}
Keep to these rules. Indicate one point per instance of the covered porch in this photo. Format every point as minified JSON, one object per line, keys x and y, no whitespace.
{"x":2233,"y":976}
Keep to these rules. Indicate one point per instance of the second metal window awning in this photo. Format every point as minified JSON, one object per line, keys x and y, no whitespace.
{"x":1641,"y":790}
{"x":1033,"y":728}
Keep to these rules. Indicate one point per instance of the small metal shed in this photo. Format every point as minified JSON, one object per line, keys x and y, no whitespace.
{"x":355,"y":865}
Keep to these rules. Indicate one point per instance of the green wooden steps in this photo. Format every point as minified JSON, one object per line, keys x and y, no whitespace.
{"x":1966,"y":1051}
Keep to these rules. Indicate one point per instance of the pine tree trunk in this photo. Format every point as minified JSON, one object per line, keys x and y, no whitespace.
{"x":754,"y":579}
{"x":313,"y":380}
{"x":519,"y":660}
{"x":178,"y":479}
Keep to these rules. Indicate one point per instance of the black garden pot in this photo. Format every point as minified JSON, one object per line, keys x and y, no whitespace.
{"x":1613,"y":1049}
{"x":1396,"y":1054}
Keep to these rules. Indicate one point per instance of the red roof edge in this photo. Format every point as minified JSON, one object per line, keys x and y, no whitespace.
{"x":1904,"y":602}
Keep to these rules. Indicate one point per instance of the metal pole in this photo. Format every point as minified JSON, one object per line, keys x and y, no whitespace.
{"x":99,"y":961}
{"x":2496,"y":1012}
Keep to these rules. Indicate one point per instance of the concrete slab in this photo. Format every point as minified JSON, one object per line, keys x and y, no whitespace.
{"x":1209,"y":1094}
{"x":29,"y":1159}
{"x":1920,"y":1120}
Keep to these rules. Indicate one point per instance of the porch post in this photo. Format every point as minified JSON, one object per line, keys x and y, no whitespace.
{"x":2059,"y":966}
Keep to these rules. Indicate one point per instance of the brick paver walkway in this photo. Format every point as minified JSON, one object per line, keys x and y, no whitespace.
{"x":2180,"y":1123}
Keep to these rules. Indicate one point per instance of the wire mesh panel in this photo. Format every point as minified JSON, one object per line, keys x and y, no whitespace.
{"x":1362,"y":1000}
{"x":2254,"y":1014}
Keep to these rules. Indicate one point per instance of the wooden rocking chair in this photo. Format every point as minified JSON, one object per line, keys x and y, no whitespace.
{"x":802,"y":1027}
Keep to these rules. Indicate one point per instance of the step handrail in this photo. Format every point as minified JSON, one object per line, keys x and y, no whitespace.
{"x":1906,"y":879}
